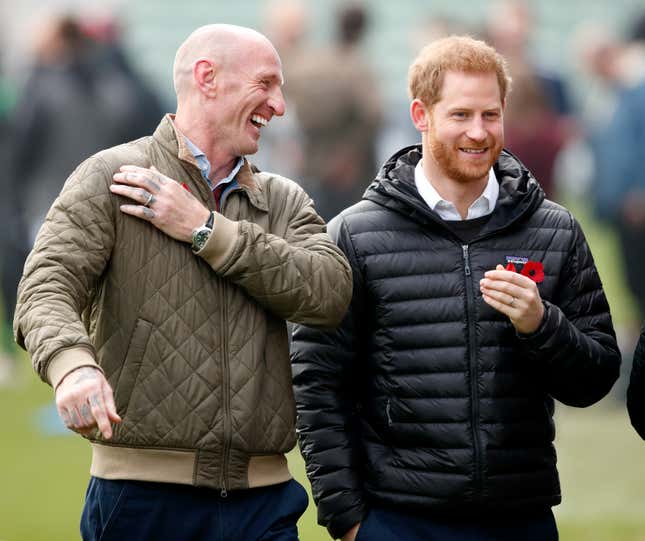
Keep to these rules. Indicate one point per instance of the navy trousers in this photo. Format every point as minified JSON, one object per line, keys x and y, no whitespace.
{"x":388,"y":525}
{"x":142,"y":511}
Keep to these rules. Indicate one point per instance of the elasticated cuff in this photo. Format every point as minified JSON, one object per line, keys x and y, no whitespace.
{"x":67,"y":361}
{"x":221,"y":244}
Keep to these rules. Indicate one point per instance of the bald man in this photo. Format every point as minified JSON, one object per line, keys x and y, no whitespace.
{"x":155,"y":299}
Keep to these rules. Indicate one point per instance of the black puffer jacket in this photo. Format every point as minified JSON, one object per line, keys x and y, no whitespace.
{"x":426,"y":398}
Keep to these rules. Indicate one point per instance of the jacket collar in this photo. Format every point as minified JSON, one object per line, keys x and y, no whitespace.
{"x":171,"y":139}
{"x":394,"y":187}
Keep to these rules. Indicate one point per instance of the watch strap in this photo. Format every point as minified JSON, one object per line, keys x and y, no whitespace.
{"x":211,"y":220}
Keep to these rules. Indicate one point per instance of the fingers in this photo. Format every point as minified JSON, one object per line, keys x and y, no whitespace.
{"x":84,"y":401}
{"x":504,"y":275}
{"x":148,"y":179}
{"x":133,"y":174}
{"x":515,"y":296}
{"x":139,"y":211}
{"x":498,"y":305}
{"x":99,"y":413}
{"x":83,"y":418}
{"x":144,"y":197}
{"x":110,"y":407}
{"x":500,"y":296}
{"x":509,"y":289}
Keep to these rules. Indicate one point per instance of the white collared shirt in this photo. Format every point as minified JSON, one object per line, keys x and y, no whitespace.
{"x":482,"y":206}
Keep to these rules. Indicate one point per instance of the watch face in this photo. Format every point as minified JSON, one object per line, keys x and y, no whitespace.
{"x":200,"y":236}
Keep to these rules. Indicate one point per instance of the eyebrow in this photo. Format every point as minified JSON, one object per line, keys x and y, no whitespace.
{"x":271,"y":75}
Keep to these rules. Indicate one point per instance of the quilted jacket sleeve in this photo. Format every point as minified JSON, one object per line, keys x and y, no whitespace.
{"x":323,"y":363}
{"x":70,"y":253}
{"x":576,"y":343}
{"x":636,"y":389}
{"x":302,"y":276}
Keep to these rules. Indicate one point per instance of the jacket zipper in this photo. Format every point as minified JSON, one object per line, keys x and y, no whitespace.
{"x":387,"y":413}
{"x":474,"y":373}
{"x":226,"y":393}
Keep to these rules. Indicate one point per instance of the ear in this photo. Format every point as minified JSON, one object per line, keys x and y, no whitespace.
{"x":204,"y":75}
{"x":420,"y":115}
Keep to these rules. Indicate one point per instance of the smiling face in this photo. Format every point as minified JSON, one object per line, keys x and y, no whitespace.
{"x":463,"y":133}
{"x":248,"y":95}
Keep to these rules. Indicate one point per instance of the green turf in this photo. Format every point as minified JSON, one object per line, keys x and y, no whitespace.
{"x":43,"y":478}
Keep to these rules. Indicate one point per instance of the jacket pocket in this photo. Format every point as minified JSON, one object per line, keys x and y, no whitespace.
{"x":131,"y":365}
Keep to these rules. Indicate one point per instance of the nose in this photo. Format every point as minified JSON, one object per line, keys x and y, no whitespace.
{"x":476,"y":130}
{"x":276,"y":101}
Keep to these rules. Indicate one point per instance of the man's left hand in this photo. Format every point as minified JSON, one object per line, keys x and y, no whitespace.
{"x":514,"y":295}
{"x":160,"y":200}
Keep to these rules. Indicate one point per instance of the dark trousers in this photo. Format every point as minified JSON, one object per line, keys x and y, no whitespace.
{"x":388,"y":525}
{"x":142,"y":511}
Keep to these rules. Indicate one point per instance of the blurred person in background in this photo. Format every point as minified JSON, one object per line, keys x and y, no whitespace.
{"x":77,"y":100}
{"x":538,"y":115}
{"x":130,"y":99}
{"x":13,"y":245}
{"x":287,"y":24}
{"x":157,"y":310}
{"x":636,"y":389}
{"x":619,"y":183}
{"x":339,"y":110}
{"x":428,"y":414}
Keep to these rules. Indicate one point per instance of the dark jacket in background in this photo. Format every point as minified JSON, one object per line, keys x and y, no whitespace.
{"x":426,"y":398}
{"x":636,"y":389}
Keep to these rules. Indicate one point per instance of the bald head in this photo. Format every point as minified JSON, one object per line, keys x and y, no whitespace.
{"x":223,"y":43}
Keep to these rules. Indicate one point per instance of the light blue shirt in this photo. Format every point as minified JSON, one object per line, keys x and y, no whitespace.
{"x":205,"y":168}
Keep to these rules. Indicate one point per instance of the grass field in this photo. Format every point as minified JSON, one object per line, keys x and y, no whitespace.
{"x":601,"y":460}
{"x":43,"y":478}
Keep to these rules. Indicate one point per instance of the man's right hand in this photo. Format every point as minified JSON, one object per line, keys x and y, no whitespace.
{"x":84,"y":400}
{"x":351,"y":534}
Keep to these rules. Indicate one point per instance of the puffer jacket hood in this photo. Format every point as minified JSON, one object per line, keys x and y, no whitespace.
{"x":519,"y":193}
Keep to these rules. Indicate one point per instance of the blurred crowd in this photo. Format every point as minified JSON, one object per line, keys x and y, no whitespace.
{"x":82,"y":94}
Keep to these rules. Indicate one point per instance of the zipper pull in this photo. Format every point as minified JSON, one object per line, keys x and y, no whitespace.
{"x":387,"y":413}
{"x":223,"y":493}
{"x":464,"y":249}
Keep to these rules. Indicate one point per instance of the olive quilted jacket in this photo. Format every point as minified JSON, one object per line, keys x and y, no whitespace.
{"x":194,"y":345}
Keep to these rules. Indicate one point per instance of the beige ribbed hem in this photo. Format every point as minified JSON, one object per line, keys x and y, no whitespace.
{"x":268,"y":470}
{"x":163,"y":466}
{"x":221,"y":243}
{"x":67,"y":361}
{"x":169,"y":466}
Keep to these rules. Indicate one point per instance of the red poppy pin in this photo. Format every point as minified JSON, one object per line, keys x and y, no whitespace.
{"x":531,"y":269}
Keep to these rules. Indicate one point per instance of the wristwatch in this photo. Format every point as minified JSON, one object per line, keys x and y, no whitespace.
{"x":201,"y":234}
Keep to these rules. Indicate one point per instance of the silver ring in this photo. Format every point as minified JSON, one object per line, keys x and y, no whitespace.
{"x":512,"y":301}
{"x":150,"y":197}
